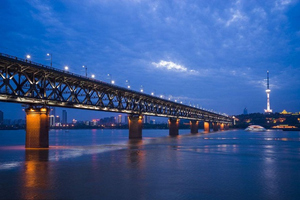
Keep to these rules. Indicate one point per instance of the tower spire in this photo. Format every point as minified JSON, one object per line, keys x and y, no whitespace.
{"x":268,"y":110}
{"x":268,"y":80}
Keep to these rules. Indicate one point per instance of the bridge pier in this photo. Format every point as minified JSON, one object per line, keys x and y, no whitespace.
{"x":194,"y":126}
{"x":135,"y":124}
{"x":226,"y":127}
{"x":173,"y":126}
{"x":215,"y":126}
{"x":222,"y":127}
{"x":206,"y":127}
{"x":37,"y":127}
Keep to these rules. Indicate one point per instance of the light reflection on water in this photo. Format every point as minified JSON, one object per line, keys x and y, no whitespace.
{"x":104,"y":164}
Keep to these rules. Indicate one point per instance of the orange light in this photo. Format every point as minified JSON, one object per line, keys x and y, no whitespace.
{"x":43,"y":109}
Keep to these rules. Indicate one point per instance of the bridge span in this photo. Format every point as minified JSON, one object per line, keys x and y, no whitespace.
{"x":40,"y":86}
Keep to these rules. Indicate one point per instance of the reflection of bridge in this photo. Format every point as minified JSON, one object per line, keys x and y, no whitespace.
{"x":39,"y":86}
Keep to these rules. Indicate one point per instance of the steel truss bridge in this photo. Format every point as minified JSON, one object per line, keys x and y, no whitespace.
{"x":23,"y":81}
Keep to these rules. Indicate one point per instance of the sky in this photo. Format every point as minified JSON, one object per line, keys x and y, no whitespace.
{"x":214,"y":54}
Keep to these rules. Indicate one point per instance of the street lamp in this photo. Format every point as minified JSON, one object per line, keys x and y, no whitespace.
{"x":50,"y":54}
{"x":110,"y":78}
{"x":93,"y":75}
{"x":85,"y":67}
{"x":28,"y":56}
{"x":66,"y":68}
{"x":127,"y":83}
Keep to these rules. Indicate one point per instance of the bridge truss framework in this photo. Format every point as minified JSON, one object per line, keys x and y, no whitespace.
{"x":23,"y":81}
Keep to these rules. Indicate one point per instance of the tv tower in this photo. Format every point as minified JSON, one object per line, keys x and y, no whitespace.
{"x":268,"y":110}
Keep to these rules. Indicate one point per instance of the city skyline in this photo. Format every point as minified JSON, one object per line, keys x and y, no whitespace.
{"x":207,"y":55}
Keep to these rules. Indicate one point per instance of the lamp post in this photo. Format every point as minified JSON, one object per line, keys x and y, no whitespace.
{"x":85,"y":67}
{"x":127,"y":83}
{"x":66,"y":68}
{"x":50,"y":54}
{"x":142,"y":89}
{"x":110,"y":77}
{"x":28,"y":56}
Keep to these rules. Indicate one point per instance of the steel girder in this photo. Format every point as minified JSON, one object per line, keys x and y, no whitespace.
{"x":23,"y":81}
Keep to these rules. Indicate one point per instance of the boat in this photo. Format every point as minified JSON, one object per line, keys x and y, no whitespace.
{"x":255,"y":128}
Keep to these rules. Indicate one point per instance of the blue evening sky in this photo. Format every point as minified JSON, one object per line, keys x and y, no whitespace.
{"x":214,"y":54}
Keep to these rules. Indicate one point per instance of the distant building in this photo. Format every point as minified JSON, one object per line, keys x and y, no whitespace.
{"x":94,"y":122}
{"x":245,"y":111}
{"x":119,"y":119}
{"x":152,"y":121}
{"x":18,"y":122}
{"x":146,"y":119}
{"x":284,"y":112}
{"x":53,"y":111}
{"x":52,"y":120}
{"x":64,"y":119}
{"x":125,"y":119}
{"x":57,"y":119}
{"x":1,"y":117}
{"x":6,"y":121}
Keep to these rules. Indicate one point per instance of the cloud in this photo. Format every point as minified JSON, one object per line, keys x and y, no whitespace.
{"x":173,"y":67}
{"x":236,"y":16}
{"x":282,"y":4}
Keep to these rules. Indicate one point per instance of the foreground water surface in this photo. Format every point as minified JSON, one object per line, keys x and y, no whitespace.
{"x":104,"y":164}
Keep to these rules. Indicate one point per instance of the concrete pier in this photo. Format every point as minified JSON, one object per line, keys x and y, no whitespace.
{"x":194,"y":126}
{"x":221,"y":127}
{"x":215,"y":126}
{"x":37,"y":127}
{"x":206,"y":127}
{"x":226,"y":127}
{"x":173,"y":126}
{"x":135,"y":124}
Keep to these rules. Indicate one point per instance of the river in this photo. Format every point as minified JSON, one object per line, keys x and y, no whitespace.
{"x":104,"y":164}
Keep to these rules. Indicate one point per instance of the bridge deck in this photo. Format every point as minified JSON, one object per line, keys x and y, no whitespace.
{"x":23,"y":81}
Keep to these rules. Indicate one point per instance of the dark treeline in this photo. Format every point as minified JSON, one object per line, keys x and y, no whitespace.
{"x":267,"y":120}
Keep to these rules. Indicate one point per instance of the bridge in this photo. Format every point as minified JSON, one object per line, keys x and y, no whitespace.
{"x":40,"y":86}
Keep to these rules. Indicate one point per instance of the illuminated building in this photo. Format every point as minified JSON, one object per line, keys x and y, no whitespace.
{"x":284,"y":112}
{"x":57,"y":119}
{"x":268,"y":110}
{"x":52,"y":120}
{"x":119,"y":121}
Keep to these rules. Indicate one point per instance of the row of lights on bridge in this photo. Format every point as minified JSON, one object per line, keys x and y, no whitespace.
{"x":66,"y":68}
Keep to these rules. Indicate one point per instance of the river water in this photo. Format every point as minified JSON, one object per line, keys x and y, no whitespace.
{"x":104,"y":164}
